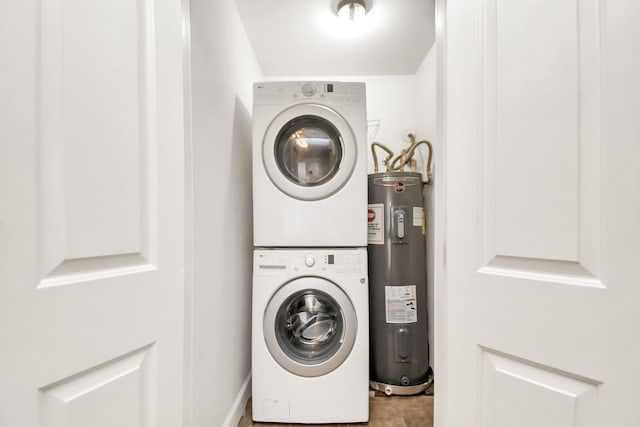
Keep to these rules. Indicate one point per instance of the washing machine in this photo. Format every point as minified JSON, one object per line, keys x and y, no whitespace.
{"x":310,"y":336}
{"x":309,"y":164}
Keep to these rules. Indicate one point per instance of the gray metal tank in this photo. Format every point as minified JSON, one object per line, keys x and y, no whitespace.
{"x":398,"y":334}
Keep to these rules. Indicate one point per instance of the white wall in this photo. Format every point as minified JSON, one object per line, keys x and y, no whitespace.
{"x":223,"y":69}
{"x":426,"y":115}
{"x":426,"y":120}
{"x":391,"y":113}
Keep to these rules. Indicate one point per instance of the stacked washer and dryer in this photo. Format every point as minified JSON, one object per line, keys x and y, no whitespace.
{"x":310,"y":333}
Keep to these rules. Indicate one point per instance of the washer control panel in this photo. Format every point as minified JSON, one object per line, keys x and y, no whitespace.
{"x":335,"y":261}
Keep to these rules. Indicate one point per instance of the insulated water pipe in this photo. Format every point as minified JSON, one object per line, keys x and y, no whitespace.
{"x":375,"y":157}
{"x":407,"y":155}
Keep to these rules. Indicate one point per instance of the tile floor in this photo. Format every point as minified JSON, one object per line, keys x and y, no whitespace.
{"x":384,"y":411}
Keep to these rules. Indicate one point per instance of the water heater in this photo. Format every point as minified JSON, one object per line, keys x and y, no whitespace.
{"x":399,"y":349}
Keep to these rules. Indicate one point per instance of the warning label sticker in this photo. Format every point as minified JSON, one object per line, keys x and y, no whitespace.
{"x":401,"y":304}
{"x":375,"y":224}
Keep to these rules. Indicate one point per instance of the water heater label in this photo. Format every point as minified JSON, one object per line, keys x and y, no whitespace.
{"x":375,"y":224}
{"x":401,"y":304}
{"x":419,"y":218}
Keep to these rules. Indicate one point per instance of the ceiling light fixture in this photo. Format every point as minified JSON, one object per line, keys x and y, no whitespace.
{"x":351,"y":10}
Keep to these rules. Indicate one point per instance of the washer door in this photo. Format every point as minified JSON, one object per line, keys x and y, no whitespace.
{"x":309,"y":151}
{"x":310,"y":326}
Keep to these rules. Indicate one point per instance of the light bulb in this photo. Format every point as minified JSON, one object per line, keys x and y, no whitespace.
{"x":351,"y":10}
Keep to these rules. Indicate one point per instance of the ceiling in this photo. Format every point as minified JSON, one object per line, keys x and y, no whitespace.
{"x":305,"y":38}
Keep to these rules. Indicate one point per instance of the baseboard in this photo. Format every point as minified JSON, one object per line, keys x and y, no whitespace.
{"x":237,"y":409}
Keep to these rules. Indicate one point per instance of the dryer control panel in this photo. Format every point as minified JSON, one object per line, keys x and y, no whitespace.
{"x":266,"y":93}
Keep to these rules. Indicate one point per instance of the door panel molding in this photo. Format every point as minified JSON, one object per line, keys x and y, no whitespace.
{"x":121,"y":390}
{"x":543,"y":270}
{"x":95,"y":268}
{"x":533,"y":192}
{"x":97,"y":139}
{"x":516,"y":391}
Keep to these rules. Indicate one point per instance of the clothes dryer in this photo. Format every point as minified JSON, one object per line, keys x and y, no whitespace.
{"x":310,"y":336}
{"x":309,"y":164}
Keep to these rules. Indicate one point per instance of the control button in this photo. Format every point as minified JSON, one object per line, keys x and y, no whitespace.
{"x":308,"y":89}
{"x":309,"y":261}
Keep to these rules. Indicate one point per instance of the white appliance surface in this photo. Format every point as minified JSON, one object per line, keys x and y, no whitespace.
{"x":309,"y":164}
{"x":329,"y":384}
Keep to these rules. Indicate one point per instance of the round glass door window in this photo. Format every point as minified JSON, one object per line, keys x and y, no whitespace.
{"x":310,"y":326}
{"x":308,"y":150}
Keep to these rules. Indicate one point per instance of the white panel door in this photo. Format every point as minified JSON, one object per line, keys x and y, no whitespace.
{"x":91,"y":213}
{"x":542,"y":258}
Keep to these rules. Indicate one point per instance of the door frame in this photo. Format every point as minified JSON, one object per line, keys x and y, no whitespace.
{"x":189,"y":284}
{"x":440,"y":230}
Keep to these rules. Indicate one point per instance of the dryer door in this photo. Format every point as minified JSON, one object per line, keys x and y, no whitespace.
{"x":310,"y":326}
{"x":309,"y":151}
